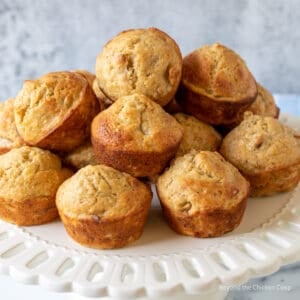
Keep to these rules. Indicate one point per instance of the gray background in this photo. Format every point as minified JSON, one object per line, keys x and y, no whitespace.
{"x":41,"y":36}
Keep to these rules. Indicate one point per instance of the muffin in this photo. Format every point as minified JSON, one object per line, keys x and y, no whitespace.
{"x":216,"y":85}
{"x":266,"y":152}
{"x":81,"y":157}
{"x":55,"y":111}
{"x":87,"y":75}
{"x":29,"y":179}
{"x":144,"y":61}
{"x":9,"y":137}
{"x":104,"y":101}
{"x":135,"y":135}
{"x":102,"y":207}
{"x":264,"y":105}
{"x":202,"y":195}
{"x":196,"y":135}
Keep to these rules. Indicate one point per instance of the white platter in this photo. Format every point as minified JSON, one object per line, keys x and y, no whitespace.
{"x":161,"y":263}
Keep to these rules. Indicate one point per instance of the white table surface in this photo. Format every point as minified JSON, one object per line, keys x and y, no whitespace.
{"x":284,"y":284}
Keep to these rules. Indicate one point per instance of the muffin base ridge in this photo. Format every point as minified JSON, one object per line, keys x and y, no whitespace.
{"x":273,"y":182}
{"x":209,"y":110}
{"x":136,"y":164}
{"x":207,"y":224}
{"x":29,"y":212}
{"x":100,"y":234}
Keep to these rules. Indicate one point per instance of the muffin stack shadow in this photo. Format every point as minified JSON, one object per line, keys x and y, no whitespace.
{"x":200,"y":128}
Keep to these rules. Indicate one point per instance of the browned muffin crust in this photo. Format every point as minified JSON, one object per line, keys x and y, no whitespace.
{"x":264,"y":105}
{"x":135,"y":135}
{"x":9,"y":137}
{"x":197,"y":135}
{"x":216,"y":85}
{"x":104,"y":101}
{"x":144,"y":61}
{"x":87,"y":75}
{"x":202,"y":195}
{"x":266,"y":152}
{"x":29,"y":179}
{"x":55,"y":111}
{"x":103,"y":208}
{"x":82,"y":156}
{"x":29,"y":212}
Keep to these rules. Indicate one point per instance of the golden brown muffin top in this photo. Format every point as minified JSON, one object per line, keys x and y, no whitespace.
{"x":87,"y":75}
{"x":81,"y":156}
{"x":136,"y":123}
{"x":102,"y":192}
{"x":261,"y":144}
{"x":145,"y":61}
{"x":218,"y":72}
{"x":43,"y":104}
{"x":264,"y":103}
{"x":197,"y":135}
{"x":9,"y":136}
{"x":28,"y":172}
{"x":201,"y":182}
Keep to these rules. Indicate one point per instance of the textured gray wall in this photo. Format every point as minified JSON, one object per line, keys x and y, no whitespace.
{"x":41,"y":36}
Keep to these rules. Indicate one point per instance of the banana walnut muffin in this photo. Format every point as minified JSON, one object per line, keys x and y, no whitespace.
{"x":102,"y":207}
{"x":82,"y":156}
{"x":197,"y":135}
{"x":55,"y":111}
{"x":29,"y":179}
{"x":202,"y":195}
{"x":135,"y":135}
{"x":144,"y":61}
{"x":216,"y":85}
{"x":266,"y":152}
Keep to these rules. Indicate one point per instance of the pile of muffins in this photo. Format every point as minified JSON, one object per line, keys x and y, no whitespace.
{"x":87,"y":147}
